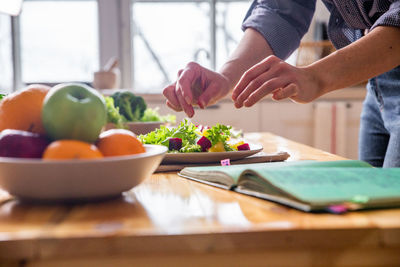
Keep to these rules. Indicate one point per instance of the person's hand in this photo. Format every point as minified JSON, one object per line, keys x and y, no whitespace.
{"x":195,"y":85}
{"x":276,"y":77}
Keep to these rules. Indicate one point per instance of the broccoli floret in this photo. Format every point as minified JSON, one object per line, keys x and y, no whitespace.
{"x":130,"y":106}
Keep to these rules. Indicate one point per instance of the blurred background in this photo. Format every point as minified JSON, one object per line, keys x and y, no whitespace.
{"x":54,"y":41}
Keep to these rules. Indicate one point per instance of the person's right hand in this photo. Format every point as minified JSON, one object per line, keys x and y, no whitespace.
{"x":196,"y":85}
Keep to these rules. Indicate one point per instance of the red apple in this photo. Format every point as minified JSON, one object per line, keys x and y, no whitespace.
{"x":22,"y":144}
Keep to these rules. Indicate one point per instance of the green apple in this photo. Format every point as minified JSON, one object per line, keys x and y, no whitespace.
{"x":74,"y":111}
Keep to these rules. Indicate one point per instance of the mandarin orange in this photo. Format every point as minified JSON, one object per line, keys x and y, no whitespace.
{"x":71,"y":149}
{"x":22,"y":110}
{"x":119,"y":142}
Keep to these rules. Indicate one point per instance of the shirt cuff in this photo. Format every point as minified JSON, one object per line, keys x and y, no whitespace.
{"x":390,"y":17}
{"x":282,"y":29}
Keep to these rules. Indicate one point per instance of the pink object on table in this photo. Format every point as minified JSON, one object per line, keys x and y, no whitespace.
{"x":225,"y":162}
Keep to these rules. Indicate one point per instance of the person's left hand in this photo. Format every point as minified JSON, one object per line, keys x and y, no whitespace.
{"x":272,"y":75}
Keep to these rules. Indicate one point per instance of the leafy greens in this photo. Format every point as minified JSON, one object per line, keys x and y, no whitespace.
{"x":190,"y":134}
{"x":123,"y":106}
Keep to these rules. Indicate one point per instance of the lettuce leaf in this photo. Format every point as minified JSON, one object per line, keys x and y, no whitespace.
{"x":189,"y":133}
{"x":113,"y":115}
{"x":153,"y":115}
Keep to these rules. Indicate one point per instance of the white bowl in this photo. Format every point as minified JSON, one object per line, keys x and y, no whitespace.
{"x":74,"y":180}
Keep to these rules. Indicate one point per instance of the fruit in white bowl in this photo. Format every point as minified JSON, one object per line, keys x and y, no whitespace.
{"x":22,"y":144}
{"x":74,"y":111}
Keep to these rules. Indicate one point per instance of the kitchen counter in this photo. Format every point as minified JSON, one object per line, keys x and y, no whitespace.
{"x":172,"y":221}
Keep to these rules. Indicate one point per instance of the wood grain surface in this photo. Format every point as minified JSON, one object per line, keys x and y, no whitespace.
{"x":171,"y":221}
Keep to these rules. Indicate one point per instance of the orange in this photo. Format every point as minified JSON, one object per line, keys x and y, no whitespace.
{"x":22,"y":110}
{"x":119,"y":142}
{"x":71,"y":149}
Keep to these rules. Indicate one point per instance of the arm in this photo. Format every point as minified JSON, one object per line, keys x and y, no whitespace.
{"x":376,"y":53}
{"x":213,"y":86}
{"x":241,"y":60}
{"x":282,"y":23}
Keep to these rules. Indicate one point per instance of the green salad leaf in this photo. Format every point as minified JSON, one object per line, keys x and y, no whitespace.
{"x":113,"y":115}
{"x":153,"y":115}
{"x":186,"y":131}
{"x":189,"y":133}
{"x":219,"y":133}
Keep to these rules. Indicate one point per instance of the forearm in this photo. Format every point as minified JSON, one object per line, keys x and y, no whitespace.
{"x":251,"y":50}
{"x":374,"y":54}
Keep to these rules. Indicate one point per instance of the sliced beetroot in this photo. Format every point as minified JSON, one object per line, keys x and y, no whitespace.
{"x":244,"y":146}
{"x":204,"y":143}
{"x":175,"y":143}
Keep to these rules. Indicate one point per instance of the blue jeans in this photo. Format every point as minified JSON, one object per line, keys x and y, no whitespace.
{"x":379,"y":142}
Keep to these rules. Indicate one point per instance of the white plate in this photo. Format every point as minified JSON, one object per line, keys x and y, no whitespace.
{"x":72,"y":180}
{"x":208,"y":157}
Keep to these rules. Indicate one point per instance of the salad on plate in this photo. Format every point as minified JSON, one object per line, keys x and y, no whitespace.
{"x":189,"y":138}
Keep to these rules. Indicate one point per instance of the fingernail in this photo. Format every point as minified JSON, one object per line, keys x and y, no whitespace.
{"x":201,"y":104}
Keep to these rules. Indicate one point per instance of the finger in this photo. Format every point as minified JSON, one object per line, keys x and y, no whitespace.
{"x":169,"y":93}
{"x":187,"y":108}
{"x":252,"y":73}
{"x":289,"y":91}
{"x":187,"y":78}
{"x":274,"y":92}
{"x":179,"y":73}
{"x":252,"y":86}
{"x":172,"y":106}
{"x":268,"y":87}
{"x":209,"y":96}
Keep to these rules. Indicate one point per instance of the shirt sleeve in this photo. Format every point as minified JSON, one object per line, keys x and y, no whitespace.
{"x":282,"y":23}
{"x":390,"y":17}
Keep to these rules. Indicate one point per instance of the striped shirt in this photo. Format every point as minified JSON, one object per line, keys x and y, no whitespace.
{"x":284,"y":22}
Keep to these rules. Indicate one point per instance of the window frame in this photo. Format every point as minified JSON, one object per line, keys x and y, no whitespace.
{"x":115,"y":36}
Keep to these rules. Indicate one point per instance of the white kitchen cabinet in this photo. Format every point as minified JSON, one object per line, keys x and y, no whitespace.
{"x":288,"y":119}
{"x":336,"y":127}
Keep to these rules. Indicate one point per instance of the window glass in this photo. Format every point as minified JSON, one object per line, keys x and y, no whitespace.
{"x":230,"y":15}
{"x":166,"y":37}
{"x":5,"y":55}
{"x":59,"y":41}
{"x":229,"y":20}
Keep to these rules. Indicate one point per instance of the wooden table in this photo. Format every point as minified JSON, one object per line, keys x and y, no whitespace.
{"x":171,"y":221}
